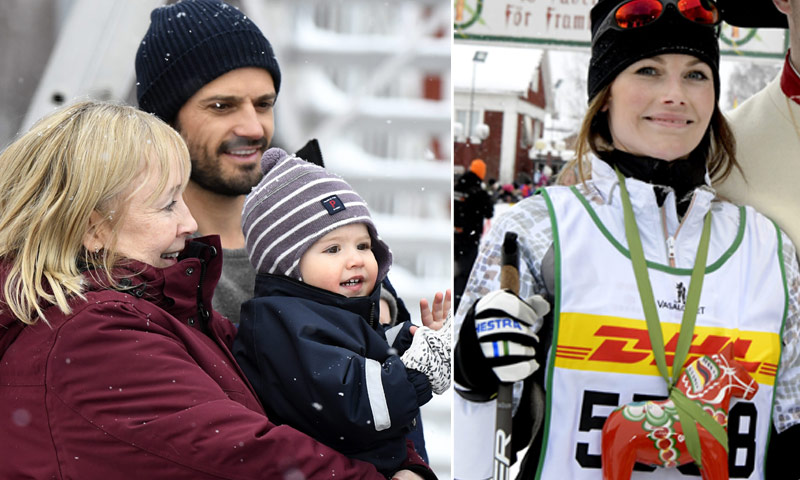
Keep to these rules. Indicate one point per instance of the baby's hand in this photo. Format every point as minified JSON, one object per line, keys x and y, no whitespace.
{"x":434,"y":318}
{"x":430,"y":353}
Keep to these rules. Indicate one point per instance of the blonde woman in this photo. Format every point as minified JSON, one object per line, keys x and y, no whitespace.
{"x":114,"y":364}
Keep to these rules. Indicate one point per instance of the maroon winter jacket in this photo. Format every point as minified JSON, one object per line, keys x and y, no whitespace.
{"x":142,"y":385}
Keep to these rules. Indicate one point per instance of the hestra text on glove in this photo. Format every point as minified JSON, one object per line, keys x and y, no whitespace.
{"x":506,"y":328}
{"x":497,"y":324}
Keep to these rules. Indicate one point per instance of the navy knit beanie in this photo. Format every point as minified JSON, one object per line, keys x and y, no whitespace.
{"x":614,"y":50}
{"x":295,"y":204}
{"x":191,"y":43}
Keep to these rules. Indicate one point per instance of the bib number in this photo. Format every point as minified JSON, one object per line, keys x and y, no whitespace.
{"x":742,"y":420}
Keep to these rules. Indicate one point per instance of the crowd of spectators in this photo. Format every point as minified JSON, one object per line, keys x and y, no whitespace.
{"x":522,"y":188}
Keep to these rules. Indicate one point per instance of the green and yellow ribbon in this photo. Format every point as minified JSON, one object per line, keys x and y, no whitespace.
{"x":689,"y":411}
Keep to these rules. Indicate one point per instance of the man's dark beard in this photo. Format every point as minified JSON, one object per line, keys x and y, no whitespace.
{"x":207,"y":173}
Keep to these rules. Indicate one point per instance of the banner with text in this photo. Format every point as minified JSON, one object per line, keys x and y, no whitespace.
{"x":566,"y":23}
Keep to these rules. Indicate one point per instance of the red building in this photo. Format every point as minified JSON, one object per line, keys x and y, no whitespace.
{"x":506,"y":89}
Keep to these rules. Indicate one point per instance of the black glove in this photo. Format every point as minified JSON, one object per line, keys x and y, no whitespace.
{"x":497,"y":342}
{"x":780,"y":454}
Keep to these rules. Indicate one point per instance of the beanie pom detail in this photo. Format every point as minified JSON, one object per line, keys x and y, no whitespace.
{"x":271,"y":157}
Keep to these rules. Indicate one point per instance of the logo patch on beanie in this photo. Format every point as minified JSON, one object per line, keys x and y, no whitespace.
{"x":333,"y":204}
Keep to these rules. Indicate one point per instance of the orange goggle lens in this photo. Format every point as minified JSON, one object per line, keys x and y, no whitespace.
{"x":638,"y":13}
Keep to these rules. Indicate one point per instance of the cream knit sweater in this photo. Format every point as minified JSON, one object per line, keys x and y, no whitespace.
{"x":768,"y":149}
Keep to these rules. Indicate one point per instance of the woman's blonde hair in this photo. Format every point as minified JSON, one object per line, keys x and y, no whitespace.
{"x":718,"y":145}
{"x":83,"y":158}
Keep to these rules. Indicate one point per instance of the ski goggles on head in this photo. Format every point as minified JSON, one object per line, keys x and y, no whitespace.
{"x":639,"y":13}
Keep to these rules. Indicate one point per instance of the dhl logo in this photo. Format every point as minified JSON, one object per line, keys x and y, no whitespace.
{"x":622,"y":345}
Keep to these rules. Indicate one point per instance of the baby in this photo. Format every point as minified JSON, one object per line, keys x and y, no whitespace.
{"x":311,"y":341}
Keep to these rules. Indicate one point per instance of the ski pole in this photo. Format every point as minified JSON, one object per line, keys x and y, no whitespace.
{"x":509,"y":278}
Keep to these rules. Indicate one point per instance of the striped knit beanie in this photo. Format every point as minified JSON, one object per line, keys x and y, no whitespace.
{"x":295,"y":204}
{"x":191,"y":43}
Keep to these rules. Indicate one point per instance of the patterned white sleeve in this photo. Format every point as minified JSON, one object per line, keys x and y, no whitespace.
{"x":786,"y":412}
{"x":530,"y":220}
{"x":431,"y":353}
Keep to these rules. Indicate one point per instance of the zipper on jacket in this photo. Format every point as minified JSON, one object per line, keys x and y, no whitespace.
{"x":372,"y":314}
{"x":671,"y":251}
{"x":202,"y":311}
{"x":670,"y":240}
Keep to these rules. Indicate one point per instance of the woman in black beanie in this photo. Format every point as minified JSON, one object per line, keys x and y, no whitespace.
{"x":638,"y":260}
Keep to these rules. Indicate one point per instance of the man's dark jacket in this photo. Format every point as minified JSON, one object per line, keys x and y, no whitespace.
{"x":472,"y":205}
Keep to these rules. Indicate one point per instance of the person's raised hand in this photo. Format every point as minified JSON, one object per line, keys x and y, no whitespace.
{"x":434,"y":316}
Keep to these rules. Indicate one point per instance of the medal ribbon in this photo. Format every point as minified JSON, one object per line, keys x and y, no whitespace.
{"x":689,"y":411}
